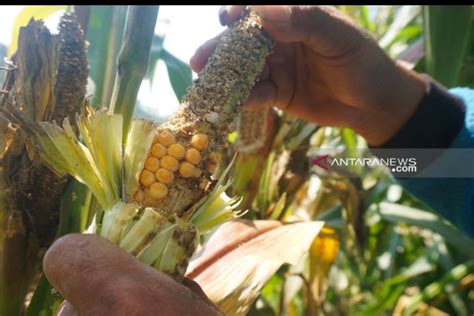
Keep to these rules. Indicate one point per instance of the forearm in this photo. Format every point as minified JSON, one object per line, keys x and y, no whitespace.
{"x":441,"y":120}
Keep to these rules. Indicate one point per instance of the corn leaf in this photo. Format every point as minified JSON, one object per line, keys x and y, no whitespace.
{"x":140,"y":138}
{"x":393,"y":288}
{"x":63,"y":151}
{"x":241,"y":256}
{"x":104,"y":33}
{"x":43,"y":302}
{"x":101,"y":133}
{"x":404,"y":16}
{"x":132,"y":61}
{"x":446,"y":30}
{"x":397,"y":213}
{"x":438,"y":287}
{"x":179,"y":73}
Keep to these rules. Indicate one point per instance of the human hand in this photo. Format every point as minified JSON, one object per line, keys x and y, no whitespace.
{"x":98,"y":278}
{"x":328,"y":70}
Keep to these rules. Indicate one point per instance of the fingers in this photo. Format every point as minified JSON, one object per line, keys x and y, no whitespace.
{"x":325,"y":29}
{"x":66,"y":309}
{"x":230,"y":13}
{"x":97,"y":277}
{"x":277,"y":80}
{"x":263,"y":95}
{"x":202,"y":54}
{"x":227,"y":15}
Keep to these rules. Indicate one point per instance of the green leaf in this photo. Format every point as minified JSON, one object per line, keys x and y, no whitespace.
{"x":367,"y":23}
{"x":446,"y":30}
{"x":75,"y":205}
{"x":179,"y":73}
{"x":438,"y":287}
{"x":133,"y":61}
{"x":396,"y":213}
{"x":446,"y":261}
{"x":155,"y":51}
{"x":395,"y":286}
{"x":104,"y":35}
{"x":44,"y":302}
{"x":404,"y":16}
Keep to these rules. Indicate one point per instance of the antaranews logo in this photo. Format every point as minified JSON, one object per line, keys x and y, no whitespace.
{"x":396,"y":165}
{"x":321,"y":162}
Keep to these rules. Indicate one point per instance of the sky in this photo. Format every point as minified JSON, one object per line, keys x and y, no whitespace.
{"x":185,"y":28}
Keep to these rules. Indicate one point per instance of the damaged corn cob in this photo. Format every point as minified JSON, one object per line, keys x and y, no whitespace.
{"x":156,"y":190}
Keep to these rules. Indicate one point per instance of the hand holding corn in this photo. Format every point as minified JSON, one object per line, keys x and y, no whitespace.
{"x":116,"y":283}
{"x":328,"y":70}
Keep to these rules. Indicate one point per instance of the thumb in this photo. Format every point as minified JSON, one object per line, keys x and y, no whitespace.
{"x":324,"y":29}
{"x":98,"y":278}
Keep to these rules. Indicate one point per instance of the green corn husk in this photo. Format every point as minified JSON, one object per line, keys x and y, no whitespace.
{"x":165,"y":233}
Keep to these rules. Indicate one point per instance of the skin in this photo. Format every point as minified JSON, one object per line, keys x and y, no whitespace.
{"x":109,"y":281}
{"x":325,"y":69}
{"x":328,"y":70}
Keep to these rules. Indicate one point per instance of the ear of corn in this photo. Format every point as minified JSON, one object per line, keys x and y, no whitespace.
{"x":157,"y":190}
{"x":46,"y":80}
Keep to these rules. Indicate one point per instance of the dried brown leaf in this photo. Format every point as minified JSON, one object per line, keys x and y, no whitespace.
{"x":241,"y":256}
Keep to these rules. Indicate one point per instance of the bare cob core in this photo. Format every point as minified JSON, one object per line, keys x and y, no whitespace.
{"x":187,"y":148}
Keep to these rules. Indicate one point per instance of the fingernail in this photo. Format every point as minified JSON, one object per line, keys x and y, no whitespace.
{"x":223,"y":15}
{"x":273,"y":13}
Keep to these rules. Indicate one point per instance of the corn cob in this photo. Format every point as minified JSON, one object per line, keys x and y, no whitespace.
{"x":157,"y":190}
{"x":46,"y":80}
{"x":201,"y":126}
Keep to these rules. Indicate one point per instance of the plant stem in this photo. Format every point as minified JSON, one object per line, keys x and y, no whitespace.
{"x":132,"y":62}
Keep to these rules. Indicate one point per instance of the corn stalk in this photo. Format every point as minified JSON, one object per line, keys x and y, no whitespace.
{"x":46,"y":81}
{"x":133,"y":59}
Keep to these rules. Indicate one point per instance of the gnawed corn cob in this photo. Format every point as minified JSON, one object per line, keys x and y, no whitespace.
{"x":156,"y":189}
{"x":207,"y":116}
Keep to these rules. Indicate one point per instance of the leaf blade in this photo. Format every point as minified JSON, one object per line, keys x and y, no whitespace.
{"x":232,"y":272}
{"x":446,"y":32}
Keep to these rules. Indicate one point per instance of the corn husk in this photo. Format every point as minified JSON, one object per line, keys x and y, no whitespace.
{"x":162,"y":233}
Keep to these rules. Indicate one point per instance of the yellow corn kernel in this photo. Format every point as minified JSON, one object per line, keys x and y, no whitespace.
{"x":166,"y":138}
{"x":200,"y":141}
{"x":177,"y":151}
{"x":164,"y":176}
{"x":193,"y":156}
{"x":147,"y":178}
{"x":186,"y":169}
{"x":169,"y":163}
{"x":158,"y":190}
{"x":152,"y":164}
{"x":211,"y":167}
{"x":158,"y":150}
{"x":139,"y":196}
{"x":215,"y":157}
{"x":197,"y":172}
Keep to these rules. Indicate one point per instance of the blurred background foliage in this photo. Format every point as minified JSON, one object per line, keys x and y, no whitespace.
{"x":381,"y":251}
